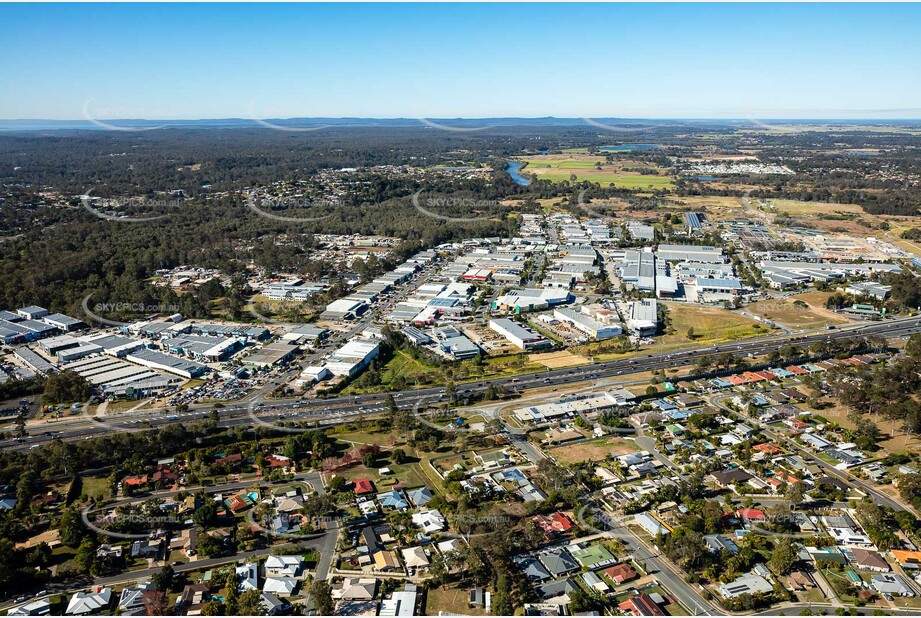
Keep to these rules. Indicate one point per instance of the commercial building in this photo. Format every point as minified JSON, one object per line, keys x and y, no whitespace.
{"x":164,"y":362}
{"x":530,"y":299}
{"x":344,"y":309}
{"x":869,"y":288}
{"x":520,"y":336}
{"x":691,"y":253}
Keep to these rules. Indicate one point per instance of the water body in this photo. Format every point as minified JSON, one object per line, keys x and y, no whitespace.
{"x":629,"y":147}
{"x":512,"y":169}
{"x":703,"y":178}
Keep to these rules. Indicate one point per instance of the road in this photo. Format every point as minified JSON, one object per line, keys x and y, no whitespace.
{"x":325,"y":412}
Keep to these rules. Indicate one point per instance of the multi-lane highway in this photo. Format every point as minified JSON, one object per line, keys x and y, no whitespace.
{"x":339,"y":409}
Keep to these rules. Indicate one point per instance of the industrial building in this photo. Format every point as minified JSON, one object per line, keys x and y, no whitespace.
{"x":691,"y":253}
{"x":587,"y":324}
{"x":869,"y":288}
{"x":520,"y":336}
{"x":170,"y":364}
{"x":644,"y":317}
{"x":352,"y":358}
{"x":531,"y":299}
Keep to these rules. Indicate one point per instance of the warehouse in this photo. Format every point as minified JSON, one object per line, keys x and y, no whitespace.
{"x":691,"y":253}
{"x":32,"y":312}
{"x":53,"y":345}
{"x":639,"y":270}
{"x":157,"y":360}
{"x":530,"y":299}
{"x":587,"y":324}
{"x":203,"y":347}
{"x":114,"y":345}
{"x":72,"y":354}
{"x":33,"y":361}
{"x":644,"y":317}
{"x":869,"y":288}
{"x":352,"y":358}
{"x":63,"y":322}
{"x":344,"y":309}
{"x":520,"y":336}
{"x":271,"y":354}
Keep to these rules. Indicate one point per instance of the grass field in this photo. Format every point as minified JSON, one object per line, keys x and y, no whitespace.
{"x":452,"y":601}
{"x":402,"y":367}
{"x":711,"y":325}
{"x":558,"y":168}
{"x":784,"y":312}
{"x":594,"y":450}
{"x":797,"y":208}
{"x":555,"y":360}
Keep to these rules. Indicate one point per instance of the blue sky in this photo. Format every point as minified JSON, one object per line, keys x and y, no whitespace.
{"x":449,"y":60}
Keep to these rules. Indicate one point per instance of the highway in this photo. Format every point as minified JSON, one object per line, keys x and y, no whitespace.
{"x":340,"y":409}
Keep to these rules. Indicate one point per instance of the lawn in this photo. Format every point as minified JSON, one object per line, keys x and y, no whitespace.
{"x":452,"y":601}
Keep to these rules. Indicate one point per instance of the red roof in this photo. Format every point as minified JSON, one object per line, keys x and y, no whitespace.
{"x":752,"y":514}
{"x":796,"y":370}
{"x":620,"y":573}
{"x":641,"y":605}
{"x":237,"y":503}
{"x":235,"y":457}
{"x":553,"y":523}
{"x":767,"y":447}
{"x":363,"y":486}
{"x":140,"y":479}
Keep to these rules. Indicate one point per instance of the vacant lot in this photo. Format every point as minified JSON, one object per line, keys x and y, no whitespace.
{"x":450,"y":602}
{"x":710,"y":325}
{"x":595,"y":450}
{"x":555,"y":360}
{"x":797,"y":208}
{"x":558,"y":168}
{"x":786,"y":311}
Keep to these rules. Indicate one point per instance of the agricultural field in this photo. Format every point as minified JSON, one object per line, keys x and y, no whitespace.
{"x":558,"y":168}
{"x":792,"y":314}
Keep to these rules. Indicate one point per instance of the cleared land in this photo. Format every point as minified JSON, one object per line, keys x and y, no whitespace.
{"x":786,"y":312}
{"x":555,"y":360}
{"x":797,"y":208}
{"x":710,"y":325}
{"x":595,"y":450}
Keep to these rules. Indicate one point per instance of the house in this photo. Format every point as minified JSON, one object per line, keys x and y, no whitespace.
{"x":620,"y":573}
{"x":594,"y":556}
{"x":186,"y":542}
{"x":559,"y":589}
{"x":553,"y":524}
{"x":733,"y":476}
{"x":414,"y":557}
{"x":132,"y":597}
{"x":449,"y":545}
{"x":272,"y":605}
{"x":870,"y":560}
{"x":284,"y":566}
{"x":429,"y":521}
{"x":393,"y":499}
{"x":640,"y":605}
{"x":533,"y":569}
{"x":593,"y":582}
{"x":420,"y":496}
{"x":248,"y":576}
{"x":751,"y":515}
{"x":194,"y":594}
{"x":716,"y":543}
{"x":356,"y":589}
{"x":400,"y":603}
{"x":800,"y":580}
{"x":559,"y":562}
{"x":745,"y":584}
{"x":84,"y":603}
{"x":891,"y":584}
{"x":41,"y":607}
{"x":385,"y":560}
{"x":148,"y":549}
{"x":281,"y":586}
{"x":362,"y":487}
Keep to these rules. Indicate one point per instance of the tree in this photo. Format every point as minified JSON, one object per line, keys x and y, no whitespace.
{"x":398,"y":456}
{"x":782,"y":557}
{"x":322,"y":596}
{"x":163,"y":579}
{"x":71,"y":527}
{"x":866,"y":434}
{"x":913,"y":347}
{"x":249,"y":603}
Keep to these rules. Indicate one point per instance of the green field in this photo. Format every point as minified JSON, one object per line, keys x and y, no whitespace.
{"x":562,"y":169}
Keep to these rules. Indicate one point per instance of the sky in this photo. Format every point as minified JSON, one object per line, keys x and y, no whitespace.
{"x":180,"y":61}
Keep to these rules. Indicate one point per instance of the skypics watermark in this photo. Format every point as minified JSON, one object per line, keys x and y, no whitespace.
{"x":130,"y":524}
{"x":269,"y":205}
{"x":429,"y":206}
{"x":453,"y":129}
{"x":139,"y":310}
{"x":117,"y":209}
